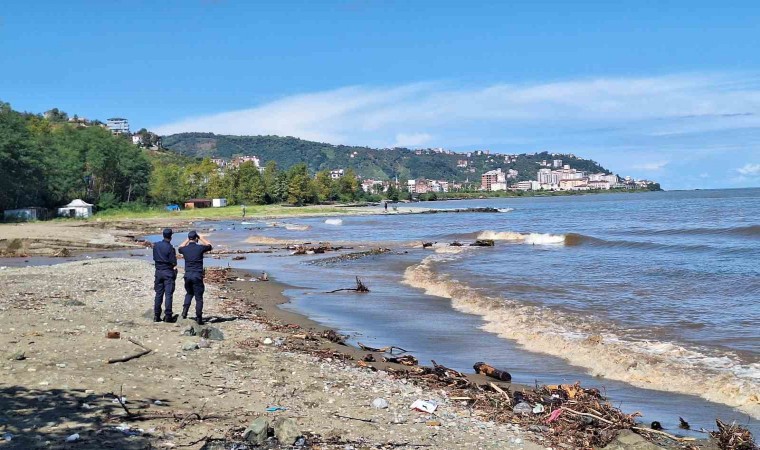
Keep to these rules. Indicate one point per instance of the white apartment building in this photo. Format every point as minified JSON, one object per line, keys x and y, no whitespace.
{"x":118,"y":125}
{"x":335,"y":174}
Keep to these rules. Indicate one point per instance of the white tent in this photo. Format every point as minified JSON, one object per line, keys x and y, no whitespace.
{"x":77,"y":208}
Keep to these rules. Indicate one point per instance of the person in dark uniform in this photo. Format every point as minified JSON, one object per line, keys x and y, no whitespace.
{"x":193,"y":252}
{"x":165,"y":259}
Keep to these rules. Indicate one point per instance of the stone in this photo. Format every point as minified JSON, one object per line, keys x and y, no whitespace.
{"x":268,"y":341}
{"x":380,"y":403}
{"x":18,"y":355}
{"x":204,"y":343}
{"x":193,"y":330}
{"x":189,"y":346}
{"x":257,"y":431}
{"x":628,"y":440}
{"x":286,"y":431}
{"x":212,"y":334}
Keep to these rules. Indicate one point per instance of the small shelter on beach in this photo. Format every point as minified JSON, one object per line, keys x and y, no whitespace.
{"x":219,"y":202}
{"x":197,"y":203}
{"x":77,"y":208}
{"x":25,"y":214}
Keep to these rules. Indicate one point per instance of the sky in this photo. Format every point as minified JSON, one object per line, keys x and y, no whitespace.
{"x":663,"y":90}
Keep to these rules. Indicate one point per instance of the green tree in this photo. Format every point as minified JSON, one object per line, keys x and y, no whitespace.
{"x":326,"y":189}
{"x":251,"y":188}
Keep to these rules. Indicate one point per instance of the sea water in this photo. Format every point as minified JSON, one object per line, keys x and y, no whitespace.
{"x":653,"y":296}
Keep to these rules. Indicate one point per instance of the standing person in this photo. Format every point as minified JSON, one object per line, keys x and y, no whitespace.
{"x":243,"y":211}
{"x":193,"y":253}
{"x":165,"y":259}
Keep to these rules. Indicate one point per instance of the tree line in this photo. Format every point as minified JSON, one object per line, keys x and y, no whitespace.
{"x":47,"y":162}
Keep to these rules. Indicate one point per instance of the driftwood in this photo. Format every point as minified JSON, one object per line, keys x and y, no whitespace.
{"x":490,"y":371}
{"x":733,"y":437}
{"x":388,"y":349}
{"x":483,"y":243}
{"x":407,"y":360}
{"x":119,"y":398}
{"x":145,"y":351}
{"x":332,"y":336}
{"x":360,"y":287}
{"x":352,"y":418}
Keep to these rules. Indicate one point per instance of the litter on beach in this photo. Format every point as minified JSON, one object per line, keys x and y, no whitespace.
{"x":424,"y":406}
{"x":275,"y":409}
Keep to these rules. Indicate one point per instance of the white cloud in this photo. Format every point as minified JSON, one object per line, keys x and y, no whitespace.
{"x":376,"y":115}
{"x":658,"y":165}
{"x":749,"y":169}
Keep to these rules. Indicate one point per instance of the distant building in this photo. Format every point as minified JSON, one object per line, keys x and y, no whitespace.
{"x":337,"y":173}
{"x":221,"y":162}
{"x":219,"y":202}
{"x":236,"y":162}
{"x":77,"y":208}
{"x":25,"y":214}
{"x":137,"y":139}
{"x":493,"y":180}
{"x":118,"y":125}
{"x":198,"y":203}
{"x":462,"y":163}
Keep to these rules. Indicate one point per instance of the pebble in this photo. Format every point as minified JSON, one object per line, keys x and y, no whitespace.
{"x":267,"y":341}
{"x":61,"y":365}
{"x":380,"y":403}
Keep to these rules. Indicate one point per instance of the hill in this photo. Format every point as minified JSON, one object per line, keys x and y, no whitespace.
{"x":368,"y":162}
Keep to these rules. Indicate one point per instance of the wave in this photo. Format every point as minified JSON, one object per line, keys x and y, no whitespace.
{"x":575,"y":239}
{"x":648,"y":364}
{"x":525,"y":238}
{"x":334,"y":221}
{"x":505,"y":210}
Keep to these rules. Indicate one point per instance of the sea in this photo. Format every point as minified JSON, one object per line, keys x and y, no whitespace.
{"x":652,"y":297}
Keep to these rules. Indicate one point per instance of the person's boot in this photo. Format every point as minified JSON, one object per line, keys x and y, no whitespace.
{"x":157,"y":316}
{"x":199,"y":319}
{"x":184,"y":311}
{"x":169,"y":318}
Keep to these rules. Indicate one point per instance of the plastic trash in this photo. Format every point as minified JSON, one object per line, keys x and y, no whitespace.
{"x":116,"y":400}
{"x":424,"y":406}
{"x":522,"y":408}
{"x":538,"y":408}
{"x":275,"y":409}
{"x":380,"y":403}
{"x":554,"y":415}
{"x":7,"y":436}
{"x":73,"y":438}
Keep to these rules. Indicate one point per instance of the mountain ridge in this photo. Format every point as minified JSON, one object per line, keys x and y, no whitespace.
{"x":382,"y":164}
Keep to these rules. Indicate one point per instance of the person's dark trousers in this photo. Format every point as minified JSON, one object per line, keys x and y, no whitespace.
{"x":194,"y":287}
{"x":164,"y":286}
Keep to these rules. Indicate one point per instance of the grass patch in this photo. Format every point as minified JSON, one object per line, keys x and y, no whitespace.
{"x":228,"y":212}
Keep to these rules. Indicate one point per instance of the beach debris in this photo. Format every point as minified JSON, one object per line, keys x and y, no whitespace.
{"x":62,"y":253}
{"x":427,"y":244}
{"x":388,"y":349}
{"x":538,"y":408}
{"x":322,"y":247}
{"x":369,"y":358}
{"x":340,"y":416}
{"x":433,"y":423}
{"x":349,"y":256}
{"x":733,"y":437}
{"x":490,"y":371}
{"x":189,"y":346}
{"x":333,"y":336}
{"x":275,"y":408}
{"x":522,"y":408}
{"x":483,"y":243}
{"x":18,"y":355}
{"x":407,"y":360}
{"x":456,"y":244}
{"x":73,"y":438}
{"x":204,"y":343}
{"x":426,"y":406}
{"x":113,"y":335}
{"x":238,"y":258}
{"x":682,"y":424}
{"x":218,"y":275}
{"x":656,"y":425}
{"x":360,"y":287}
{"x":7,"y":436}
{"x":144,"y":352}
{"x":267,"y":341}
{"x":380,"y":403}
{"x":212,"y":333}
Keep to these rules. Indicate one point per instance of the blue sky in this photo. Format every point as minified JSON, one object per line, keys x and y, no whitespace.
{"x":668,"y":90}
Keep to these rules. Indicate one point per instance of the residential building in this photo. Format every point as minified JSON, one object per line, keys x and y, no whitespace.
{"x":493,"y":180}
{"x":221,"y":162}
{"x":512,"y":173}
{"x":337,"y":173}
{"x":236,"y":162}
{"x":573,"y":184}
{"x":557,"y":163}
{"x":523,"y":185}
{"x":462,"y":163}
{"x":599,"y":184}
{"x":118,"y":125}
{"x":137,"y":139}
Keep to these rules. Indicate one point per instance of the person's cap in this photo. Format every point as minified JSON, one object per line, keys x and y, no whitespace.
{"x":168,"y":232}
{"x":192,"y":235}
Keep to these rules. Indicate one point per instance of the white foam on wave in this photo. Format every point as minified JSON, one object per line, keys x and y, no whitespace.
{"x":647,"y":364}
{"x":505,"y":210}
{"x":334,"y":221}
{"x":525,"y":238}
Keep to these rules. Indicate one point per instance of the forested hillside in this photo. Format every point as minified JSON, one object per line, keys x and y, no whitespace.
{"x":368,"y":162}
